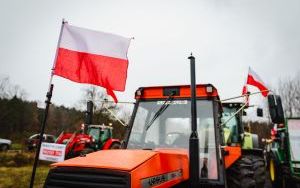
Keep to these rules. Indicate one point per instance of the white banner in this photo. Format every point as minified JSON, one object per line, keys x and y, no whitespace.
{"x":52,"y":152}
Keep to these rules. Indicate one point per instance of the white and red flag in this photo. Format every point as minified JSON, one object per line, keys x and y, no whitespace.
{"x":92,"y":57}
{"x":254,"y":80}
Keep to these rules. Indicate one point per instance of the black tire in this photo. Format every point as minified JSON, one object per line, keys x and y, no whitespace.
{"x":4,"y":147}
{"x":248,"y":172}
{"x":115,"y":145}
{"x":259,"y":169}
{"x":277,"y":180}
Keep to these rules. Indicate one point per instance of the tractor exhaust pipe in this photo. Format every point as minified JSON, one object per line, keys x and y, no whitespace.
{"x":88,"y":115}
{"x":194,"y":141}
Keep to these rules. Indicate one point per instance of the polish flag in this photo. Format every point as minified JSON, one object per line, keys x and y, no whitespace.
{"x":92,"y":57}
{"x":254,"y":80}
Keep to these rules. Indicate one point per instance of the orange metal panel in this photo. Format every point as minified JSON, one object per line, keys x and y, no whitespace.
{"x":233,"y":154}
{"x":165,"y":161}
{"x":125,"y":160}
{"x":141,"y":164}
{"x":156,"y":92}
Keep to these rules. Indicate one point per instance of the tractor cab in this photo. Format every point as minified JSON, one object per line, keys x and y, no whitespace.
{"x":100,"y":134}
{"x":162,"y":120}
{"x":234,"y":132}
{"x":232,"y":119}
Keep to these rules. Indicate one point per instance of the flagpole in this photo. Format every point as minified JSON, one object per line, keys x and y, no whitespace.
{"x":56,"y":53}
{"x":240,"y":96}
{"x":47,"y":102}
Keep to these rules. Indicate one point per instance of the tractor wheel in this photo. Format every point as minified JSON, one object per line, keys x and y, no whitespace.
{"x":115,"y":145}
{"x":259,"y":169}
{"x":247,"y":172}
{"x":276,"y":174}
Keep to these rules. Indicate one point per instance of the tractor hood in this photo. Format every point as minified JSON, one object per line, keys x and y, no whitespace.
{"x":112,"y":159}
{"x":146,"y":168}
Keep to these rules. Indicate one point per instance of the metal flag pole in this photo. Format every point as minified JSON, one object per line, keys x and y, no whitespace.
{"x":194,"y":140}
{"x":47,"y":102}
{"x":244,"y":95}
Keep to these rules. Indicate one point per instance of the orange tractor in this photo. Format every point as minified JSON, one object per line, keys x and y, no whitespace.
{"x":175,"y":139}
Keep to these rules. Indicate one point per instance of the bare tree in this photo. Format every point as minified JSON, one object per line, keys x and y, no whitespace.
{"x":8,"y":90}
{"x":125,"y":112}
{"x":94,"y":94}
{"x":16,"y":90}
{"x":98,"y":96}
{"x":4,"y":85}
{"x":289,"y":90}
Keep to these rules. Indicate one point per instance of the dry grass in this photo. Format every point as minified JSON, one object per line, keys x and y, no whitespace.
{"x":19,"y":177}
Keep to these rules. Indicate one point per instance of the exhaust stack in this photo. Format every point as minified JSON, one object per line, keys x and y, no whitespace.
{"x":194,"y":141}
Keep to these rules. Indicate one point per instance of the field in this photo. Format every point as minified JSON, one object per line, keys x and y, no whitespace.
{"x":16,"y":168}
{"x":19,"y":177}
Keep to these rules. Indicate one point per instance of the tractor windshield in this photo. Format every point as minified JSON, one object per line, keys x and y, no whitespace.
{"x":231,"y":126}
{"x":172,"y":129}
{"x":95,"y":133}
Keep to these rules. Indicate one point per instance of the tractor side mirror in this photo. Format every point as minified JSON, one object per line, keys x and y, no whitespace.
{"x":259,"y":112}
{"x":275,"y":109}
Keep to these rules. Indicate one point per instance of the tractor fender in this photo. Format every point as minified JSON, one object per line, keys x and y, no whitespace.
{"x":109,"y":143}
{"x":274,"y":154}
{"x":231,"y":155}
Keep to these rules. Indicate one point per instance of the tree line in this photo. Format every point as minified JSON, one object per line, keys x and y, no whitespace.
{"x":20,"y":118}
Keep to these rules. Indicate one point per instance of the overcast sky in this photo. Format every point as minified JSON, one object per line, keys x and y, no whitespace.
{"x":225,"y":36}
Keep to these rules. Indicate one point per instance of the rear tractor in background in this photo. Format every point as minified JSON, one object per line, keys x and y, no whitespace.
{"x":252,"y":158}
{"x":89,"y":139}
{"x":284,"y":154}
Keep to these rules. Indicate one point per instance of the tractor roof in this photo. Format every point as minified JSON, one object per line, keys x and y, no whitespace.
{"x":179,"y":91}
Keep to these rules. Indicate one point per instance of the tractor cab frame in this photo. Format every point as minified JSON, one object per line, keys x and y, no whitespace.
{"x":234,"y":132}
{"x":161,"y":119}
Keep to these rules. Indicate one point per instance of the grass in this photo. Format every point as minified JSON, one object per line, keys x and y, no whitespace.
{"x":16,"y":146}
{"x":16,"y":169}
{"x":18,"y":159}
{"x":20,"y":176}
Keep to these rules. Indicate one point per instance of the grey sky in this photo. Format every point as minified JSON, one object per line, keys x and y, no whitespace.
{"x":225,"y":36}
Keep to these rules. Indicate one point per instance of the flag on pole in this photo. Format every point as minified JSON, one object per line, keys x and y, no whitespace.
{"x":93,"y":57}
{"x":246,"y":94}
{"x":254,"y":80}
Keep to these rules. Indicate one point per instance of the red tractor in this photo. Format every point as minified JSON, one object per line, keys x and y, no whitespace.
{"x":91,"y":138}
{"x":98,"y":137}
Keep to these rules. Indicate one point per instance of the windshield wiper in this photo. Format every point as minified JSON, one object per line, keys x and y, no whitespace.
{"x":163,"y":107}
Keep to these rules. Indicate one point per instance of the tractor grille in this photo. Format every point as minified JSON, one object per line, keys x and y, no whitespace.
{"x":71,"y":177}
